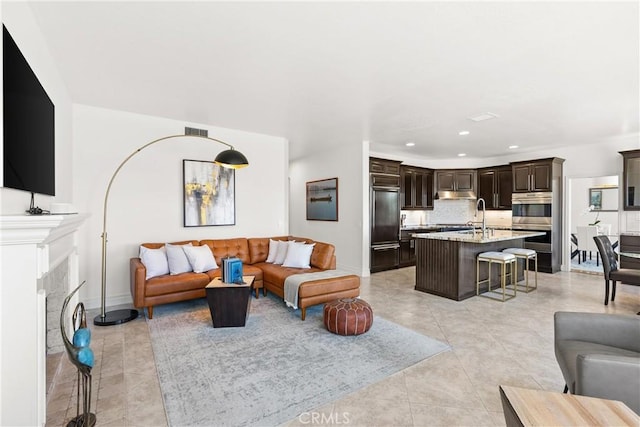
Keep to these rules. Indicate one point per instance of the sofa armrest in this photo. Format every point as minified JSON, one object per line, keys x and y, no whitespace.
{"x":138,"y":274}
{"x":608,"y":376}
{"x":613,"y":330}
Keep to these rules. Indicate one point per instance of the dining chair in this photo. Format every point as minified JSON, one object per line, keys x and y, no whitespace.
{"x":611,"y":271}
{"x":585,"y":242}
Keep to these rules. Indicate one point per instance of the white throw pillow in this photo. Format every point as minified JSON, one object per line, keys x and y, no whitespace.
{"x":283,"y":248}
{"x":155,"y":261}
{"x":298,"y":255}
{"x":178,"y":262}
{"x":273,"y":250}
{"x":200,"y":257}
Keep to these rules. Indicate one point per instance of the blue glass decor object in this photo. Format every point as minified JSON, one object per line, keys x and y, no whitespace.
{"x":85,"y":356}
{"x":82,"y":337}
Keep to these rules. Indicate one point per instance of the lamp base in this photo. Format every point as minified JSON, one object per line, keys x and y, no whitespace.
{"x":82,"y":421}
{"x":115,"y":317}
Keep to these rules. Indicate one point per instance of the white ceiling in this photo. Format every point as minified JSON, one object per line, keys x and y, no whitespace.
{"x":556,"y":73}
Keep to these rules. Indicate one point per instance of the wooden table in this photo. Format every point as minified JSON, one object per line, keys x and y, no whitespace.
{"x":526,"y":407}
{"x":229,"y":303}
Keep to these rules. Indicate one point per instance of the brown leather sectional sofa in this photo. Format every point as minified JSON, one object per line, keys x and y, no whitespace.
{"x":253,"y":253}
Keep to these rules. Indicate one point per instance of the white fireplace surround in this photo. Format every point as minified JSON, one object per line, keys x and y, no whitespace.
{"x":30,"y":247}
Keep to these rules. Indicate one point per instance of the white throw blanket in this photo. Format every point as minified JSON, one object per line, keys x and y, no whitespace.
{"x":293,"y":282}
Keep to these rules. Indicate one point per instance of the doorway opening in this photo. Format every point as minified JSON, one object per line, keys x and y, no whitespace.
{"x":594,"y":210}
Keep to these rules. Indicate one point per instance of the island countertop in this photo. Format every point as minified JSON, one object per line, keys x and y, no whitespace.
{"x":470,"y":236}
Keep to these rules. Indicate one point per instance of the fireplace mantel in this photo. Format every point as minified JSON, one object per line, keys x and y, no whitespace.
{"x":30,"y":246}
{"x":26,"y":229}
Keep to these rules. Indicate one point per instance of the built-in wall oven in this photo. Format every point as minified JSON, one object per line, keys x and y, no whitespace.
{"x":532,"y":212}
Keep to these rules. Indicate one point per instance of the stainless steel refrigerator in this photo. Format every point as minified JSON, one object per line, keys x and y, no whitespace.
{"x":385,"y":228}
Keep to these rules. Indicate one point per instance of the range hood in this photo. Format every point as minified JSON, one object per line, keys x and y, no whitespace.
{"x":455,"y":195}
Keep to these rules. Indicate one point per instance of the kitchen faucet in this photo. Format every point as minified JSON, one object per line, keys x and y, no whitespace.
{"x":484,"y":224}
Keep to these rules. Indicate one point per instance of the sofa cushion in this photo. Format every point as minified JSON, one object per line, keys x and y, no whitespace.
{"x":259,"y":249}
{"x":200,"y":257}
{"x":223,"y":248}
{"x":276,"y":274}
{"x":567,"y":352}
{"x":298,"y":255}
{"x":283,"y":249}
{"x":323,"y":255}
{"x":155,"y":261}
{"x":167,"y":284}
{"x":273,"y":250}
{"x":178,"y":261}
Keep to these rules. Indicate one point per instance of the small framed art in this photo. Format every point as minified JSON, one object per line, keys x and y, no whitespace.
{"x":322,"y":200}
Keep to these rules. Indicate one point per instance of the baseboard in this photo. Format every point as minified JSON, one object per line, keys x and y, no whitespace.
{"x":92,"y":303}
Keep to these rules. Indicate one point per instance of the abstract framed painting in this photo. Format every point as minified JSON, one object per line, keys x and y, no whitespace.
{"x":209,"y":194}
{"x":322,"y":200}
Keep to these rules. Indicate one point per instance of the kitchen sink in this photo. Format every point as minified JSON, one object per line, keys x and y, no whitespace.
{"x":466,"y":232}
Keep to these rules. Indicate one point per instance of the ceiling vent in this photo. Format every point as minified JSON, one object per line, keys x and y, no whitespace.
{"x":484,"y":116}
{"x":194,"y":131}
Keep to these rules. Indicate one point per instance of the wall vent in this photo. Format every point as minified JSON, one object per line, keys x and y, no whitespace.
{"x":194,"y":131}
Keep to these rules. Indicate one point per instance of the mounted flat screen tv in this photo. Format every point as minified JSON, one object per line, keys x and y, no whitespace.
{"x":29,"y":131}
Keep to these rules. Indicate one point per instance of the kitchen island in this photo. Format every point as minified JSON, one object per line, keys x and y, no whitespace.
{"x":446,"y":262}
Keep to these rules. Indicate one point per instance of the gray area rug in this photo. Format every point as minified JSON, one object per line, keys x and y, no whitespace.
{"x":274,"y":368}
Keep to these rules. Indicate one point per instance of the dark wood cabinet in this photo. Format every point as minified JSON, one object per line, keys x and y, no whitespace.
{"x":408,"y":245}
{"x":631,"y":179}
{"x":407,"y":252}
{"x":455,"y":180}
{"x":416,"y":186}
{"x":384,"y":166}
{"x":535,"y":175}
{"x":495,"y":187}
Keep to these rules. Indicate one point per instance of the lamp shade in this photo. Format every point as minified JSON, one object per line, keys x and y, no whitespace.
{"x":231,"y":159}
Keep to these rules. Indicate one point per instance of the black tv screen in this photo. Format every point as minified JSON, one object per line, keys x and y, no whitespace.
{"x":29,"y":132}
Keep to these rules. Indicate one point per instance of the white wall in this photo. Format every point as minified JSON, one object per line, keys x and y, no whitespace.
{"x":23,"y":28}
{"x":346,"y":233}
{"x":579,"y":203}
{"x":146,"y":198}
{"x":20,"y":402}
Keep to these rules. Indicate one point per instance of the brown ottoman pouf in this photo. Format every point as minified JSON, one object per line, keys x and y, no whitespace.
{"x":348,"y":316}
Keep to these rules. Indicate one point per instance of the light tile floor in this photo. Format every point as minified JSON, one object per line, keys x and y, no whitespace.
{"x":492,"y":343}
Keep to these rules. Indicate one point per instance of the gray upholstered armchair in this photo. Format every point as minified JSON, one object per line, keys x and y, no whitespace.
{"x":599,"y":355}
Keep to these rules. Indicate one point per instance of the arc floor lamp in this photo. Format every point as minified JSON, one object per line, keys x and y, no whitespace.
{"x":229,"y":158}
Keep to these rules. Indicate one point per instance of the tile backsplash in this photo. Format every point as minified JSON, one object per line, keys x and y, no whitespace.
{"x":456,"y":212}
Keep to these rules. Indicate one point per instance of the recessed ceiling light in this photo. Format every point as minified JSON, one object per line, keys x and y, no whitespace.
{"x":512,"y":147}
{"x":462,"y":154}
{"x":483,"y":117}
{"x":410,"y":144}
{"x":464,"y":132}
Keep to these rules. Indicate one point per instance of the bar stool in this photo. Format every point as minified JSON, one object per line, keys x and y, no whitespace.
{"x":526,"y":255}
{"x":503,"y":259}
